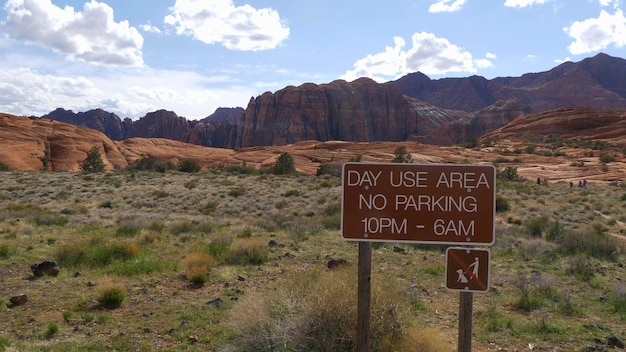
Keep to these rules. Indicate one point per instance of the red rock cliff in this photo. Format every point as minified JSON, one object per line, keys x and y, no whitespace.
{"x":358,"y":111}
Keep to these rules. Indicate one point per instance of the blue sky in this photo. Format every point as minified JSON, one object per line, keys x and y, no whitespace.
{"x":132,"y":57}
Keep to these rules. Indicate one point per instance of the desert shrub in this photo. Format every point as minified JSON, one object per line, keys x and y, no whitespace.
{"x":4,"y":342}
{"x":314,"y":311}
{"x":4,"y":167}
{"x":242,"y":169}
{"x":332,"y":169}
{"x":93,"y":162}
{"x":111,"y":295}
{"x":292,"y":193}
{"x":588,"y":243}
{"x":284,"y":165}
{"x":555,"y":231}
{"x":401,"y":155}
{"x":197,"y":266}
{"x":142,"y":264}
{"x":606,"y":158}
{"x":33,"y":213}
{"x":579,"y":266}
{"x":128,"y":230}
{"x":5,"y":251}
{"x":332,"y":208}
{"x":50,"y":219}
{"x":332,"y":222}
{"x":536,"y":226}
{"x":191,"y":184}
{"x":618,"y":299}
{"x":52,"y":330}
{"x":528,"y":301}
{"x":502,"y":205}
{"x":508,"y":174}
{"x":151,"y":163}
{"x":248,"y":252}
{"x":106,"y":204}
{"x":188,"y":165}
{"x":219,"y":248}
{"x":236,"y":192}
{"x":94,"y":253}
{"x":191,"y":226}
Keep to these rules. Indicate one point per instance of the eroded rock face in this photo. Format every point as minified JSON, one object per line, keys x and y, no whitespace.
{"x":595,"y":82}
{"x":359,"y":111}
{"x":97,"y":119}
{"x":476,"y":124}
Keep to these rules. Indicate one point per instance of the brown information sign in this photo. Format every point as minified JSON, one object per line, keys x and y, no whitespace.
{"x":467,"y":269}
{"x":422,"y":203}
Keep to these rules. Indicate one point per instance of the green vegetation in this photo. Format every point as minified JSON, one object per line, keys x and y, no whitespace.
{"x":231,"y":260}
{"x":189,"y":165}
{"x":284,"y":165}
{"x":401,"y":155}
{"x":93,"y":162}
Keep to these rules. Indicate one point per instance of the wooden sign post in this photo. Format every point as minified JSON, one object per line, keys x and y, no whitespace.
{"x":413,"y":203}
{"x":467,"y":271}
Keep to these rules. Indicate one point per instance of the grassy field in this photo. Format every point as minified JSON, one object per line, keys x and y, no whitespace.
{"x":218,"y":261}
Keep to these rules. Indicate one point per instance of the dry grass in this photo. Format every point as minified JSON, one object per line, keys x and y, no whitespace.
{"x":151,"y":233}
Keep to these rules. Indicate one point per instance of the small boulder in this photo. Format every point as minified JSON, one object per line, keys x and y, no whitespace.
{"x":18,"y":300}
{"x":47,"y":267}
{"x":613,"y":341}
{"x":334,"y":264}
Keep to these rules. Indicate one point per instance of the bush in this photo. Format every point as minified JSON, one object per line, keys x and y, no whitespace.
{"x":248,"y":252}
{"x":111,"y":295}
{"x":508,"y":174}
{"x":284,"y":165}
{"x":93,"y":162}
{"x":502,"y":205}
{"x":606,"y":158}
{"x":536,"y":226}
{"x":402,"y":155}
{"x":197,"y":267}
{"x":151,"y":163}
{"x":332,"y":169}
{"x":314,"y":311}
{"x":94,"y":253}
{"x":189,"y":165}
{"x":219,"y":248}
{"x":4,"y":167}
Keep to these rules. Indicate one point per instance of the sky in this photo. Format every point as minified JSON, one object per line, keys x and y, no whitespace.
{"x":132,"y":57}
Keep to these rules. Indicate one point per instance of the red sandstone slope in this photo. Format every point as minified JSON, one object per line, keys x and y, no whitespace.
{"x":27,"y":143}
{"x":578,"y":122}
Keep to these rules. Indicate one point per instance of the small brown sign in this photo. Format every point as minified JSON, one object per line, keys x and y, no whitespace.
{"x":423,"y":203}
{"x":467,"y":269}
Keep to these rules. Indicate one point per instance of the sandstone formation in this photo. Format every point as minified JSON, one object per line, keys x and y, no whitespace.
{"x":598,"y":82}
{"x":36,"y":144}
{"x":215,"y":130}
{"x":358,"y":111}
{"x":414,"y":107}
{"x":476,"y":124}
{"x":580,"y":122}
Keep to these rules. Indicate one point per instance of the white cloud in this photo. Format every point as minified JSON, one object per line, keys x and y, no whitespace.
{"x":235,"y":27}
{"x":446,"y":6}
{"x":91,"y":35}
{"x":522,"y":3}
{"x":491,"y":56}
{"x":132,"y":93}
{"x":428,"y":54}
{"x":148,"y":27}
{"x":483,"y":63}
{"x":595,"y":34}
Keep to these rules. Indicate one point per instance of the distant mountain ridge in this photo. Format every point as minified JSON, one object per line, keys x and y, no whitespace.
{"x":414,"y":107}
